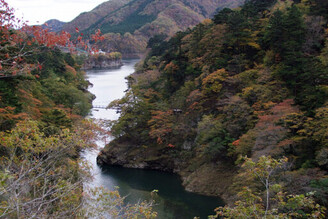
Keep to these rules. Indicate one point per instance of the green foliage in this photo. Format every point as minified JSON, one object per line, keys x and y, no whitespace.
{"x":157,"y":44}
{"x":321,"y":186}
{"x":278,"y":205}
{"x":68,"y":95}
{"x":222,"y":16}
{"x":53,"y":62}
{"x":8,"y":95}
{"x":131,"y":22}
{"x":212,"y":137}
{"x":39,"y":175}
{"x":55,"y":120}
{"x":310,"y":131}
{"x":318,"y":7}
{"x":253,"y":7}
{"x":238,"y":117}
{"x":135,"y":113}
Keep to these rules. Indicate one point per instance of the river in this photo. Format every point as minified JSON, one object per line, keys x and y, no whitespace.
{"x":172,"y":200}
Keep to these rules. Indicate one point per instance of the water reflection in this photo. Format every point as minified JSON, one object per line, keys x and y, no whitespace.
{"x":172,"y":200}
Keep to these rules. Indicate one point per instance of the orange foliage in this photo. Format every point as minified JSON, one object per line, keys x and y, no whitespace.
{"x":70,"y":70}
{"x":171,"y":68}
{"x":46,"y":38}
{"x":195,"y":95}
{"x":8,"y":114}
{"x":171,"y":145}
{"x":30,"y":105}
{"x":161,"y":125}
{"x":236,"y":143}
{"x":22,"y":40}
{"x":276,"y":113}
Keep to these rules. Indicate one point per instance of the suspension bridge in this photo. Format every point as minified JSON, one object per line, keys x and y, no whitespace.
{"x":100,"y":107}
{"x":97,"y":107}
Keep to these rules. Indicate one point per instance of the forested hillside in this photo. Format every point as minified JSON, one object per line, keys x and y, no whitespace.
{"x":250,"y":82}
{"x":43,"y":102}
{"x":129,"y":24}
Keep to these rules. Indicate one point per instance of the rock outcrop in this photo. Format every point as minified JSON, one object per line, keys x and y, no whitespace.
{"x":204,"y":180}
{"x":103,"y":61}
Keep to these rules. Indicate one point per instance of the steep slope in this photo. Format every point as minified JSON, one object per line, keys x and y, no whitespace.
{"x":238,"y":85}
{"x":86,"y":19}
{"x":143,"y":19}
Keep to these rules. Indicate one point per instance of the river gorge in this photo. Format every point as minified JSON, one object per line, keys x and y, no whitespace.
{"x":136,"y":184}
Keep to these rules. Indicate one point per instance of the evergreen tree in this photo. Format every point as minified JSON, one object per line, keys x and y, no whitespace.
{"x":252,"y":8}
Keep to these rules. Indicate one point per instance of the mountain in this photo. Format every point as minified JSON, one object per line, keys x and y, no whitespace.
{"x":128,"y":24}
{"x":87,"y":19}
{"x":54,"y":25}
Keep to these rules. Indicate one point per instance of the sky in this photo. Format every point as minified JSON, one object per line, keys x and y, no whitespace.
{"x":40,"y":11}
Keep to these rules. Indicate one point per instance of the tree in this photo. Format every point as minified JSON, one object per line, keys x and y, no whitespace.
{"x":278,"y":205}
{"x":318,"y":7}
{"x":135,"y":113}
{"x":39,"y":175}
{"x":213,"y":83}
{"x":103,"y":203}
{"x":212,"y":137}
{"x":223,"y":16}
{"x":19,"y":41}
{"x":161,"y":126}
{"x":252,"y":7}
{"x":264,"y":169}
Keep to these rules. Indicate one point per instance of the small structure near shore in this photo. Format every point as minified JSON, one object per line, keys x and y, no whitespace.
{"x":177,"y":111}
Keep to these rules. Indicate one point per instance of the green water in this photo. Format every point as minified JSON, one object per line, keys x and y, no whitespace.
{"x":171,"y":201}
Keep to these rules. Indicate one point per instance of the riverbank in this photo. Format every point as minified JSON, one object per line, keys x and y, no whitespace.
{"x":197,"y":175}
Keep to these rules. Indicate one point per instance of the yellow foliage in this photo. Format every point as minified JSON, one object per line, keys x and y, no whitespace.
{"x":207,"y":21}
{"x":282,"y":5}
{"x":213,"y":82}
{"x":255,"y":45}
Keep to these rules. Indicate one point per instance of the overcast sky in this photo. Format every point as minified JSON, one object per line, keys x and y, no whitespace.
{"x":40,"y":11}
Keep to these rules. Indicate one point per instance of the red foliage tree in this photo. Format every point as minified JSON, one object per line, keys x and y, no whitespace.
{"x":19,"y":41}
{"x":161,"y":126}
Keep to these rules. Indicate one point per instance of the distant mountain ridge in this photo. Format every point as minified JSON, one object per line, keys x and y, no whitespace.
{"x":129,"y":24}
{"x":54,"y":25}
{"x":117,"y":12}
